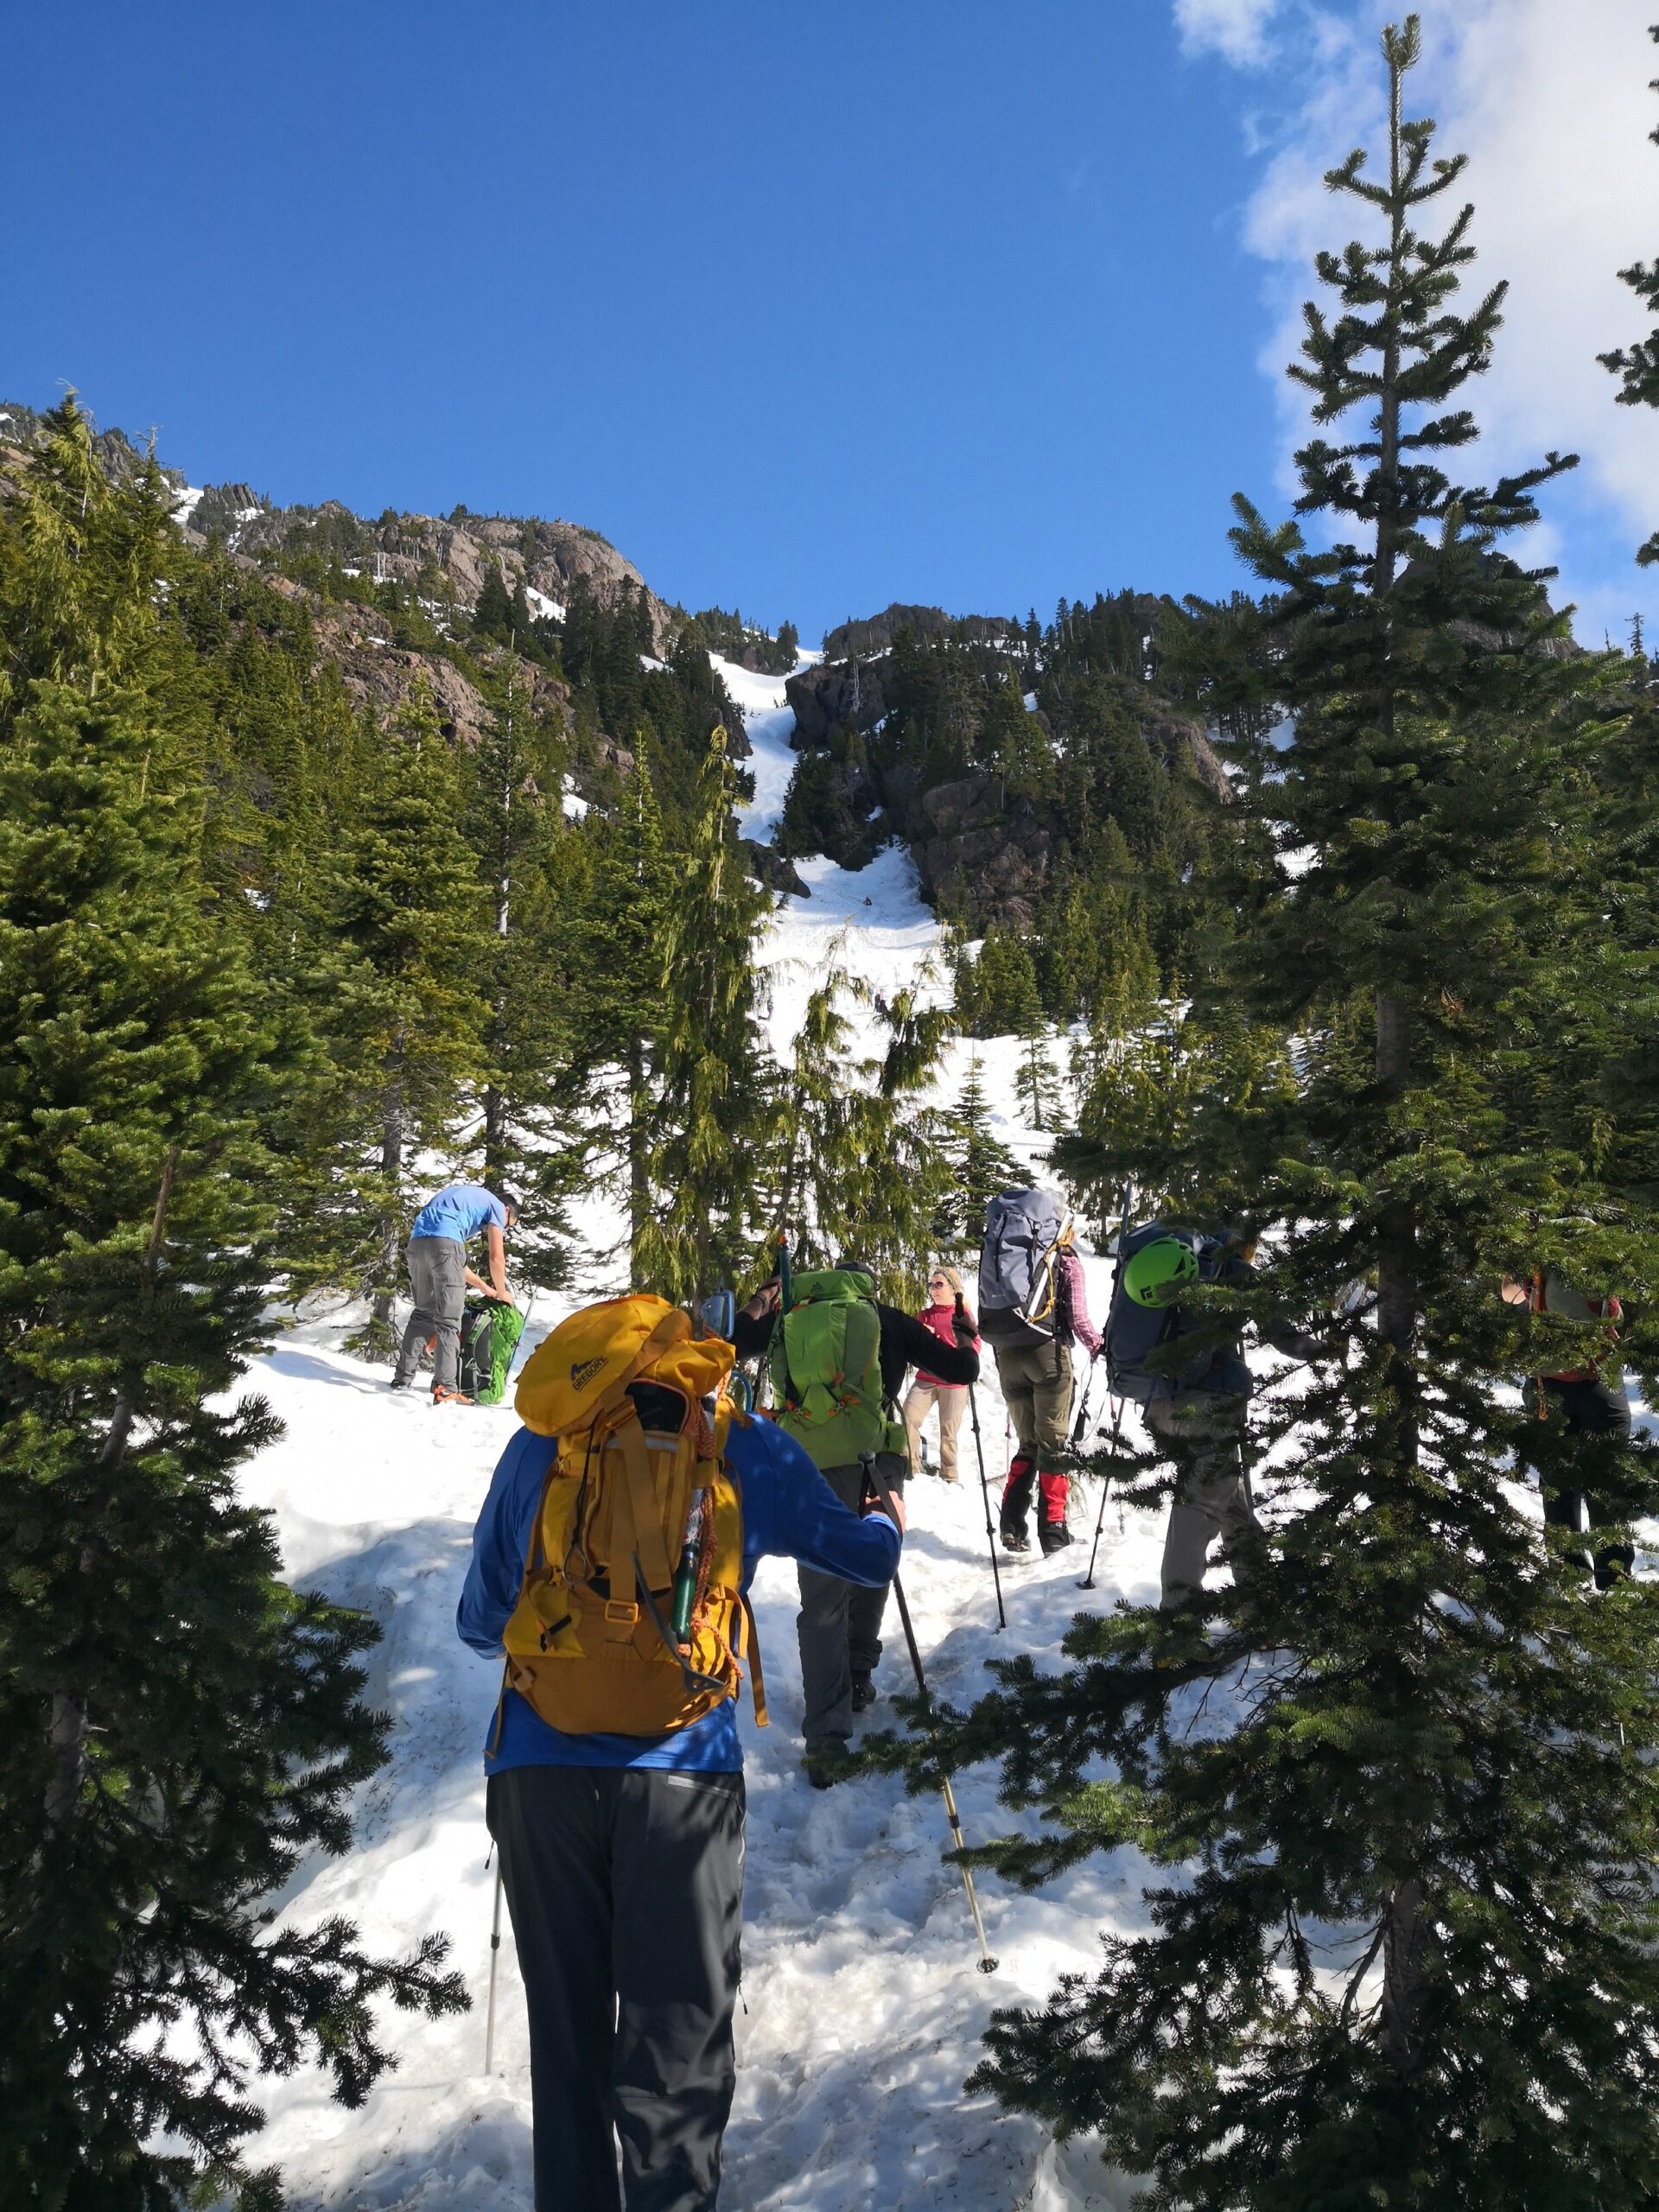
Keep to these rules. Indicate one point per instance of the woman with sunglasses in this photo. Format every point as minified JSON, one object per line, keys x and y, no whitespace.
{"x":938,"y":1317}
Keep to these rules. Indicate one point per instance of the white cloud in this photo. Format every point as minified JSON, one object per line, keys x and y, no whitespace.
{"x":1550,"y":103}
{"x":1234,"y":29}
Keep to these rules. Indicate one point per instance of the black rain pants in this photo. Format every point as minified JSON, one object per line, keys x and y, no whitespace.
{"x":625,"y":1889}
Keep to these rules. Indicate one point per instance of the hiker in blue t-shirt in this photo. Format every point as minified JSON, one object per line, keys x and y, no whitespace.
{"x":441,"y":1278}
{"x":622,"y":1856}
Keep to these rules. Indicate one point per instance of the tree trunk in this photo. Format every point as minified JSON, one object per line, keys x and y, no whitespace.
{"x":1403,"y":1972}
{"x":1396,"y":1312}
{"x":1397,"y":1271}
{"x":496,"y":1159}
{"x":638,"y":1163}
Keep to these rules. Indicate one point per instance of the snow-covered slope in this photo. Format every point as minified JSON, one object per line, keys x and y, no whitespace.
{"x":863,"y":2008}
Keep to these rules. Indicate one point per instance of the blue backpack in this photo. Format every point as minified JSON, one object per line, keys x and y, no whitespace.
{"x":1134,"y":1332}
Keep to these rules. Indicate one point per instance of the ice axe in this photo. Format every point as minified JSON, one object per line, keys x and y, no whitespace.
{"x":874,"y":1480}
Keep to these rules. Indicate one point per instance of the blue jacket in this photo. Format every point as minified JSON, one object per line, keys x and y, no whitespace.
{"x":788,"y":1510}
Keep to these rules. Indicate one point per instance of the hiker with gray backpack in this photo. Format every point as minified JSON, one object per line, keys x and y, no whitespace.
{"x":838,"y":1357}
{"x":1033,"y":1306}
{"x":1196,"y":1408}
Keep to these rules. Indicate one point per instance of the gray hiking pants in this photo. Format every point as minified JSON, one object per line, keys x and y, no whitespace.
{"x":1203,"y":1431}
{"x":437,"y":1275}
{"x":625,"y":1889}
{"x":839,"y":1625}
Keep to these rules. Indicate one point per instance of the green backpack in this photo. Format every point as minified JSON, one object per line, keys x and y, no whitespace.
{"x":826,"y":1371}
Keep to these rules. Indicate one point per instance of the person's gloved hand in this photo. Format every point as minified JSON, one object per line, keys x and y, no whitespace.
{"x":873,"y":1502}
{"x":962,"y":1321}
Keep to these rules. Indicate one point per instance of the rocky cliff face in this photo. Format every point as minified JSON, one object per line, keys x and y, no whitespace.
{"x":446,"y":557}
{"x":551,"y":559}
{"x":978,"y":854}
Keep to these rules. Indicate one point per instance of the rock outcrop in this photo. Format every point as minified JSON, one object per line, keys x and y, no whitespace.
{"x":768,"y":866}
{"x":977,"y":856}
{"x":837,"y":694}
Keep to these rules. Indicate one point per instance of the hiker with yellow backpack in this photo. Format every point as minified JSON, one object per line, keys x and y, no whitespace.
{"x":838,"y":1357}
{"x":610,"y":1571}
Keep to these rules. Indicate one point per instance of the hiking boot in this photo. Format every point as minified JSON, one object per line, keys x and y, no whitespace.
{"x":864,"y":1690}
{"x":829,"y":1761}
{"x":398,"y":1382}
{"x":444,"y":1396}
{"x":1054,"y":1536}
{"x":1014,"y":1536}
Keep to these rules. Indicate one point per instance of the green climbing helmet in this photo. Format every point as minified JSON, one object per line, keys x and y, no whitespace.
{"x":1155,"y":1266}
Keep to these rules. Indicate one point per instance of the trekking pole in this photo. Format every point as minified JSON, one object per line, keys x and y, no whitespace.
{"x":985,"y":1500}
{"x":495,"y":1958}
{"x":1088,"y":1582}
{"x":987,"y":1961}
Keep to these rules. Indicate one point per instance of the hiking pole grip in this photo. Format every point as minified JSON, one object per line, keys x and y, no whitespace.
{"x":987,"y":1961}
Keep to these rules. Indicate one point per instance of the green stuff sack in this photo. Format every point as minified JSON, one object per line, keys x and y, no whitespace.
{"x":489,"y":1336}
{"x":826,"y":1368}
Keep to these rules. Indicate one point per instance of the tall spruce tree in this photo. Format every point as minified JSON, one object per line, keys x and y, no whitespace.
{"x":399,"y":1002}
{"x":1636,"y":367}
{"x":979,"y":1165}
{"x":709,"y":1097}
{"x":857,"y":1165}
{"x":617,"y":1004}
{"x":536,"y":871}
{"x":177,"y":1730}
{"x":1403,"y":1770}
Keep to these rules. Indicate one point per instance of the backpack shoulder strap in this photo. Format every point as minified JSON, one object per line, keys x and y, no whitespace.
{"x":636,"y":1524}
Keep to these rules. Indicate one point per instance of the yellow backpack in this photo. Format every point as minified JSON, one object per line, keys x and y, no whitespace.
{"x":631,"y":1620}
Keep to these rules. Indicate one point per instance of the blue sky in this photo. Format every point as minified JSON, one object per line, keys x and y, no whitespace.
{"x":806,"y":307}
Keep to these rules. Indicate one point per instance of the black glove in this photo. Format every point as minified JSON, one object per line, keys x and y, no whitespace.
{"x":962,"y":1322}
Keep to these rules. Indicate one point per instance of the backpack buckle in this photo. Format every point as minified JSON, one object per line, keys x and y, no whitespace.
{"x":620,"y":1619}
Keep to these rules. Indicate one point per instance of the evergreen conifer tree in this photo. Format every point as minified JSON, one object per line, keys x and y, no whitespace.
{"x":400,"y":1007}
{"x":1406,"y":1764}
{"x":1002,"y":998}
{"x":858,"y":1165}
{"x":536,"y":873}
{"x":709,"y":1095}
{"x":979,"y":1165}
{"x":177,"y":1730}
{"x":1636,"y":367}
{"x":493,"y":615}
{"x":616,"y":1005}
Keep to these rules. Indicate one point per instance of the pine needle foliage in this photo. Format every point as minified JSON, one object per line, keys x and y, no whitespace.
{"x":856,"y":1165}
{"x":1399,"y":1777}
{"x":708,"y":1101}
{"x":399,"y":1003}
{"x":1636,"y":365}
{"x":177,"y":1729}
{"x":980,"y":1166}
